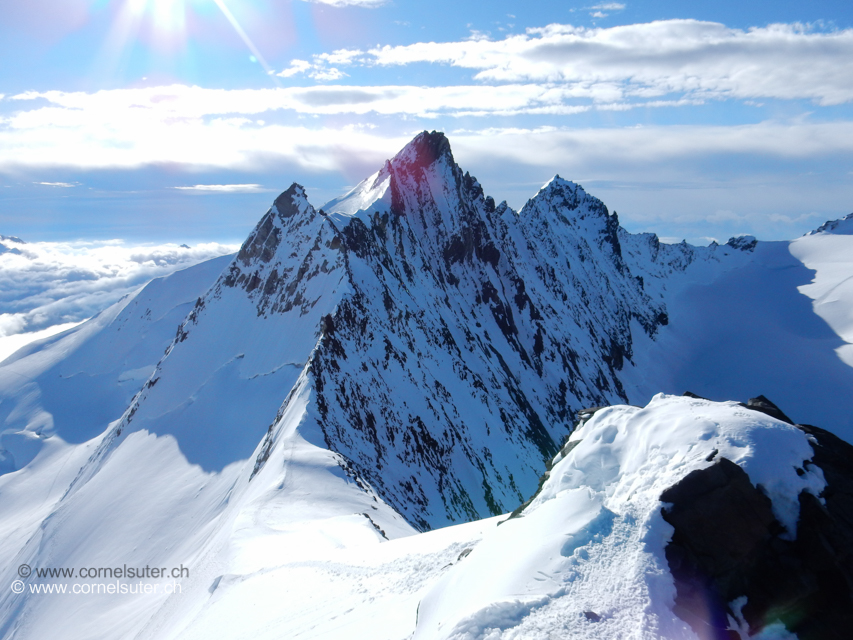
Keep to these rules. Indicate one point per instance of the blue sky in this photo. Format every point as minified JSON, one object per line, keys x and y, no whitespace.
{"x":180,"y":120}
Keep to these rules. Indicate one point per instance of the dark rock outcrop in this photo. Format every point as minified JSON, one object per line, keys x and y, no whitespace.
{"x":728,"y":545}
{"x":743,"y":243}
{"x":766,"y":407}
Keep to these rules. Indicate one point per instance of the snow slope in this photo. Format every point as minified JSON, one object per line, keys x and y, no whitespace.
{"x":58,"y":395}
{"x":72,"y":384}
{"x":741,"y":324}
{"x":593,"y":539}
{"x":281,"y":562}
{"x":830,"y":254}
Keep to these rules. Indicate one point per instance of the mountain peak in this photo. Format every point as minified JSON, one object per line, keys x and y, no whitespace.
{"x":292,"y":202}
{"x":426,"y":148}
{"x":561,"y":184}
{"x":842,"y":226}
{"x":743,"y":243}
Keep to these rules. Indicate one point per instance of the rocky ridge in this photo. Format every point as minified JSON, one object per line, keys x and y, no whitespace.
{"x":447,"y":341}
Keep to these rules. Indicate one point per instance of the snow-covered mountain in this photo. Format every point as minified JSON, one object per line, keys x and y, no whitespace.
{"x":444,"y":344}
{"x":406,"y":357}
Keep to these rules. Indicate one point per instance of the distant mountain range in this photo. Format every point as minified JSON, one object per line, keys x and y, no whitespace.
{"x":409,"y":356}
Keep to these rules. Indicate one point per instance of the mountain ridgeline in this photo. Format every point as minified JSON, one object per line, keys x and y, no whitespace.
{"x":471,"y":334}
{"x":446,"y":342}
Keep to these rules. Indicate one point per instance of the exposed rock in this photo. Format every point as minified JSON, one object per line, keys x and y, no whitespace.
{"x":727,"y":545}
{"x":743,"y":243}
{"x":765,"y":406}
{"x":829,"y":226}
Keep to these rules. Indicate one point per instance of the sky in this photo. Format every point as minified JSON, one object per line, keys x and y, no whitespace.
{"x":179,"y":121}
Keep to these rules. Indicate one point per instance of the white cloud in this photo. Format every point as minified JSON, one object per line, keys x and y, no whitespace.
{"x":700,"y":59}
{"x":129,"y":128}
{"x":225,"y":188}
{"x":327,"y":75}
{"x":206,"y":128}
{"x":296,"y":66}
{"x":554,"y":147}
{"x":65,"y":185}
{"x":52,"y":283}
{"x":599,"y":14}
{"x":608,"y":6}
{"x":318,"y":70}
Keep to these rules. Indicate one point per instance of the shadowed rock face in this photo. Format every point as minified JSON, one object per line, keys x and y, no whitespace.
{"x":727,"y":544}
{"x":469,"y":334}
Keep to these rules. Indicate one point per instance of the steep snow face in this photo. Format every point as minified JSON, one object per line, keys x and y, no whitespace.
{"x":243,"y":346}
{"x":73,"y":384}
{"x":829,"y":251}
{"x":471,"y":334}
{"x":144,"y":505}
{"x":586,"y":558}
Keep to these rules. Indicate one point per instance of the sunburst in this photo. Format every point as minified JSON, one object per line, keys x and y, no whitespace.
{"x":163,"y":24}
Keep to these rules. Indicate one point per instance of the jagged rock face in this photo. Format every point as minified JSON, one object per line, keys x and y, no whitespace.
{"x":448,"y":342}
{"x":471,"y":336}
{"x":729,"y":552}
{"x":744,"y":243}
{"x":276,"y":279}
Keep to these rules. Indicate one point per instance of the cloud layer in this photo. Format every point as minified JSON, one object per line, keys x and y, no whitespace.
{"x":188,"y":126}
{"x":553,"y":71}
{"x":695,"y":59}
{"x":603,"y":92}
{"x":47,"y":283}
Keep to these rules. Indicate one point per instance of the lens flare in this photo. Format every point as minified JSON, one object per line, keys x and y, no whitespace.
{"x":245,"y":37}
{"x":163,"y":26}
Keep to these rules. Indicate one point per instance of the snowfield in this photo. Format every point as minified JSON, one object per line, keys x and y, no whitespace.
{"x":294,"y":556}
{"x":289,"y":423}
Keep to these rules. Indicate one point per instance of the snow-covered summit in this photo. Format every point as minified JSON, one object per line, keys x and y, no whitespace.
{"x":605,"y":550}
{"x":842,"y":226}
{"x":380,"y":193}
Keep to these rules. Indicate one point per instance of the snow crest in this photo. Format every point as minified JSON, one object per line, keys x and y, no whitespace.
{"x":586,"y":559}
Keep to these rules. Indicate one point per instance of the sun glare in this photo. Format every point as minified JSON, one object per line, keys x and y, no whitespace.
{"x":165,"y":26}
{"x":167,"y":15}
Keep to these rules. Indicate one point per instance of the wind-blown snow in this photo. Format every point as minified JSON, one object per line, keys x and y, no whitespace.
{"x":593,"y":539}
